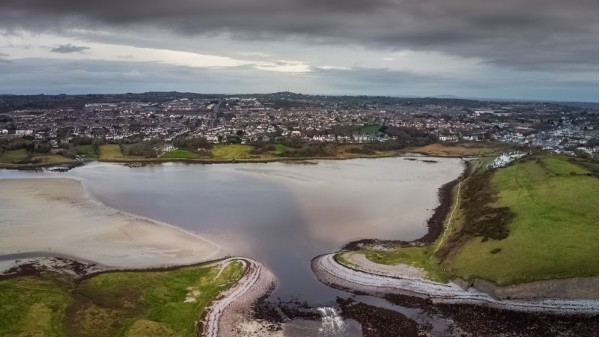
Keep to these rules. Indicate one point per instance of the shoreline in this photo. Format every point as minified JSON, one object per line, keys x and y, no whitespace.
{"x":231,"y":314}
{"x":567,"y":289}
{"x":139,"y":162}
{"x":79,"y":262}
{"x":201,"y":161}
{"x":328,"y":271}
{"x":87,"y":230}
{"x":435,"y":223}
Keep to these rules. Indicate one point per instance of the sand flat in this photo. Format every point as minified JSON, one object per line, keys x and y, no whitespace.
{"x":57,"y":215}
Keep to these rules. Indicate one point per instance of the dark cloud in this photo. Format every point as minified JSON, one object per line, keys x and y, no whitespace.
{"x":526,"y":34}
{"x":68,"y":48}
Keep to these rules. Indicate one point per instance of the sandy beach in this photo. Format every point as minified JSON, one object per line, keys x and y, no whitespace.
{"x":57,"y":216}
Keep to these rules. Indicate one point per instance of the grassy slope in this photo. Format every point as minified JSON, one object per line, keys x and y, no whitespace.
{"x":13,"y":156}
{"x":457,"y":149}
{"x":132,"y":304}
{"x":231,"y":151}
{"x":110,"y":152}
{"x":554,"y":233}
{"x":31,"y":306}
{"x":419,"y":256}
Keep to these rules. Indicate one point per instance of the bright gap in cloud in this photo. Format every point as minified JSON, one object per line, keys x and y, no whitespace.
{"x":26,"y":45}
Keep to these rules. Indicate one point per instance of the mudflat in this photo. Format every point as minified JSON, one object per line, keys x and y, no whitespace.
{"x":58,"y":216}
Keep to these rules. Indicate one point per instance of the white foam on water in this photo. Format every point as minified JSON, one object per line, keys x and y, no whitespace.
{"x":332,"y":324}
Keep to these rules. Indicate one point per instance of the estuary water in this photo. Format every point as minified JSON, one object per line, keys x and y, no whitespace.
{"x":281,"y":214}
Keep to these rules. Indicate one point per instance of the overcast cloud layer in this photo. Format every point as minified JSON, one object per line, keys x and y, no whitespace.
{"x":548,"y":49}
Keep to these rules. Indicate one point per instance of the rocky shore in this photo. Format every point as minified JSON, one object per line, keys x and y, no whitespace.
{"x":417,"y":308}
{"x":330,"y":272}
{"x":231,"y":315}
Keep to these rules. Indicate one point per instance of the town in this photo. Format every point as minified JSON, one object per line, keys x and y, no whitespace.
{"x":153,"y":124}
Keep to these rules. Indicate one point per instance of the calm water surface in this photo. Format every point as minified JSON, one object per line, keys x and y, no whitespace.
{"x":281,"y":214}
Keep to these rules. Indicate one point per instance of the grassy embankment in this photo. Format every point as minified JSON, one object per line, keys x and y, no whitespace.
{"x":232,"y":152}
{"x":139,"y":303}
{"x":462,"y":149}
{"x":21,"y":158}
{"x":110,"y":152}
{"x":536,"y":219}
{"x":237,"y":152}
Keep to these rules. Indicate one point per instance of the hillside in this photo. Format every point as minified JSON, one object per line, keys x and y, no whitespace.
{"x":535,"y":219}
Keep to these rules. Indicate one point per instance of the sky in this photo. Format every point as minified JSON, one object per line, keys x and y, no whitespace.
{"x":509,"y":49}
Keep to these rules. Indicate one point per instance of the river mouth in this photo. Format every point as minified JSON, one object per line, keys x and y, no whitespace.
{"x":282,"y":215}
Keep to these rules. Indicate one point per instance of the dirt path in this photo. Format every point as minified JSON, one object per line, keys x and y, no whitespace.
{"x":449,"y":221}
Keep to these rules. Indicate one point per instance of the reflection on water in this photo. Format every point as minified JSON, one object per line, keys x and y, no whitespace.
{"x":281,"y":214}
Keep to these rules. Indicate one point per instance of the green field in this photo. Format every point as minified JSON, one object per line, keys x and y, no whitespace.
{"x":418,"y":256}
{"x":144,"y":303}
{"x":16,"y":158}
{"x":231,"y":151}
{"x":110,"y":152}
{"x":553,"y":231}
{"x":179,"y":154}
{"x":13,"y":156}
{"x":280,"y":150}
{"x":87,"y":151}
{"x":32,"y":306}
{"x":370,"y":129}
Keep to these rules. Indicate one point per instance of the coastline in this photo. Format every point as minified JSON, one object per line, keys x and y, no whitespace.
{"x":575,"y":294}
{"x":83,"y":228}
{"x":435,"y":224}
{"x":231,"y":314}
{"x":138,"y":162}
{"x":118,"y":242}
{"x":332,"y":273}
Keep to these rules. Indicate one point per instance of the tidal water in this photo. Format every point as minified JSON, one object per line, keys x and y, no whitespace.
{"x":281,"y":214}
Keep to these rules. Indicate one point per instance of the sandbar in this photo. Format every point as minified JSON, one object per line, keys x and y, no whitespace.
{"x":57,"y":216}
